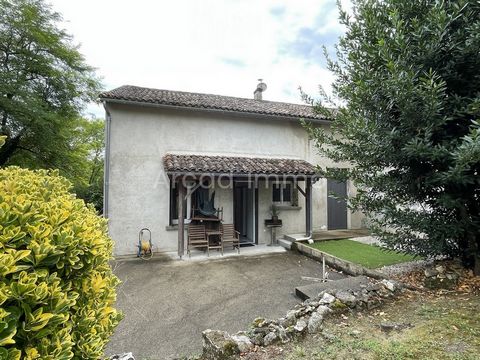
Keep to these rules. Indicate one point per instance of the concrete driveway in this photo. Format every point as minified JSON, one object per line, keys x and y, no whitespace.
{"x":168,"y":304}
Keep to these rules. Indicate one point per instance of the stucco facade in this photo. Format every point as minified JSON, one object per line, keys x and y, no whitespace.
{"x":138,"y":189}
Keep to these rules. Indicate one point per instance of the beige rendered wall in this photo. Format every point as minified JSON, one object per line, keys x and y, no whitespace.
{"x":139,"y":188}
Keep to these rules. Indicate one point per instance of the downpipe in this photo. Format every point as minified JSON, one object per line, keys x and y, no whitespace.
{"x":106,"y":169}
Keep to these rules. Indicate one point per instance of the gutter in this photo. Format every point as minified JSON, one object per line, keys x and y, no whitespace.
{"x":177,"y":174}
{"x":106,"y":172}
{"x":217,"y":111}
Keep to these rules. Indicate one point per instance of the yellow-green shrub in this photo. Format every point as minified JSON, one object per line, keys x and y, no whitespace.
{"x":57,"y":289}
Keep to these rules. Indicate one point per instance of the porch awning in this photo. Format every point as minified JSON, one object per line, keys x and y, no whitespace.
{"x":236,"y":165}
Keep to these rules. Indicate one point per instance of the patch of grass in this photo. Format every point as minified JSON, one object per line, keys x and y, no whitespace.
{"x":370,"y":256}
{"x":299,"y":352}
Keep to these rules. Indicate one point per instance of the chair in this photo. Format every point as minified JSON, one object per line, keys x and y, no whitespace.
{"x":230,"y":236}
{"x":197,"y":238}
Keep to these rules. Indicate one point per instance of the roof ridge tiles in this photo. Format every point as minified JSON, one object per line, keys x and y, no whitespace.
{"x":137,"y":94}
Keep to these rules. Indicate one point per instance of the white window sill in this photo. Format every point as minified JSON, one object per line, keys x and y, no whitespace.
{"x":288,"y":207}
{"x":174,"y":227}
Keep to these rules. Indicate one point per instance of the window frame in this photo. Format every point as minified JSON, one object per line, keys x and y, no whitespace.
{"x":283,"y":187}
{"x":188,"y":203}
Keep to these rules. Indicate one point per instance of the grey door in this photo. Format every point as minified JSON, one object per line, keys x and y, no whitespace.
{"x":336,"y":209}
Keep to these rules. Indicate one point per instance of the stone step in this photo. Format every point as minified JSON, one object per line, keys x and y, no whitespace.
{"x":287,"y":244}
{"x":289,"y":238}
{"x":294,"y":237}
{"x":355,"y":283}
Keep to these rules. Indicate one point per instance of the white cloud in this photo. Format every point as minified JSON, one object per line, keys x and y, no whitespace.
{"x":194,"y":45}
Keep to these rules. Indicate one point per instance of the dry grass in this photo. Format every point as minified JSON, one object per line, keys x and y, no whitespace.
{"x":442,"y":327}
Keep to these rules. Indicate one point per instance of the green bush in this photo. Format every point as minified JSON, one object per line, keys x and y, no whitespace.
{"x":57,"y":289}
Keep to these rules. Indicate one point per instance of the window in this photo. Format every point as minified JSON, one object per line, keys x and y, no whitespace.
{"x":174,"y":202}
{"x":282,"y":193}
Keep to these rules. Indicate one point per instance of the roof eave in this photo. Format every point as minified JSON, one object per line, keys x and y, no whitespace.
{"x":217,"y":111}
{"x":253,"y":176}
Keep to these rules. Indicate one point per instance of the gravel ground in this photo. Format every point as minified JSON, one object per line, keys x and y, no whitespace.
{"x":403,"y":268}
{"x":369,"y":240}
{"x":167,"y":304}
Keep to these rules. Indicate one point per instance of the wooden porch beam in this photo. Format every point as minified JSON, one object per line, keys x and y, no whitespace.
{"x":301,"y":190}
{"x":181,"y":220}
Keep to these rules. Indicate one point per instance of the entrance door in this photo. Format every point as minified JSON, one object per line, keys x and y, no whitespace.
{"x":337,"y":209}
{"x":244,"y":211}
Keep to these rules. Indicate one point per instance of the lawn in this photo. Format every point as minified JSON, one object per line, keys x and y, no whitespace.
{"x":370,"y":256}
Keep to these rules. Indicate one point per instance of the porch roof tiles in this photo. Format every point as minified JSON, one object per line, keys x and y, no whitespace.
{"x":201,"y":164}
{"x":184,"y":99}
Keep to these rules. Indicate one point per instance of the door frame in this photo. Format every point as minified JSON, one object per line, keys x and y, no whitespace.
{"x":253,"y":187}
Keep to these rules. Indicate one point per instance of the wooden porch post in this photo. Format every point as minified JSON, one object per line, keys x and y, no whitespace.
{"x":181,"y":222}
{"x":308,"y":207}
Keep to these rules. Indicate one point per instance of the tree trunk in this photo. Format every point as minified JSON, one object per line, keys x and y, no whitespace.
{"x":476,"y":253}
{"x":470,"y":244}
{"x":476,"y":265}
{"x":8,"y":149}
{"x":471,"y":253}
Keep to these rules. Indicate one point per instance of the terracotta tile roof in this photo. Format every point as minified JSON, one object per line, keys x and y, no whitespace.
{"x":209,"y":101}
{"x":174,"y":163}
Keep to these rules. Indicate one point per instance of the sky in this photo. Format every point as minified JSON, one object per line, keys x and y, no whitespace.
{"x":208,"y":46}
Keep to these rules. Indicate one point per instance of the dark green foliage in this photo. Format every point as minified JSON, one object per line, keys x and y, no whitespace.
{"x":408,"y":76}
{"x":89,"y":146}
{"x":44,"y":84}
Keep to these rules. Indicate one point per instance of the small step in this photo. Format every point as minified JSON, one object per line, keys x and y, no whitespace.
{"x":287,"y":244}
{"x":294,"y":237}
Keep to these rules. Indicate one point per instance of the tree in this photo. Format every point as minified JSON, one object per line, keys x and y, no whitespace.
{"x":88,"y":142}
{"x":44,"y":85}
{"x":408,"y":81}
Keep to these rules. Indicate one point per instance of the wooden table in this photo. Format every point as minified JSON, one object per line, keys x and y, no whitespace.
{"x":218,"y":245}
{"x":211,"y":223}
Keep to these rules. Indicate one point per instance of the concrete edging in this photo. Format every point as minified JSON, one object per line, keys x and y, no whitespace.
{"x":337,"y":263}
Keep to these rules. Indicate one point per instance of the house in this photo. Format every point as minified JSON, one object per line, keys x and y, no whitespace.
{"x":241,"y":155}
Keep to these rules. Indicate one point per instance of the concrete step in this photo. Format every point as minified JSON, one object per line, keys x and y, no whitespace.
{"x":294,"y":237}
{"x":350,"y":283}
{"x":287,"y":244}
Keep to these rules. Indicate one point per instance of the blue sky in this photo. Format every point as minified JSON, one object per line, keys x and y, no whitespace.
{"x":210,"y":46}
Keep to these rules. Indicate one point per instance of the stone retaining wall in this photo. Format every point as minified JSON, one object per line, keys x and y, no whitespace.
{"x":304,"y":318}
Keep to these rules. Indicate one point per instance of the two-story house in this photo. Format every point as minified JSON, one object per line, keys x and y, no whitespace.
{"x":163,"y":146}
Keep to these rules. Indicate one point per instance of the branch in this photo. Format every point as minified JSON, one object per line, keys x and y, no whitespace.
{"x":26,"y":149}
